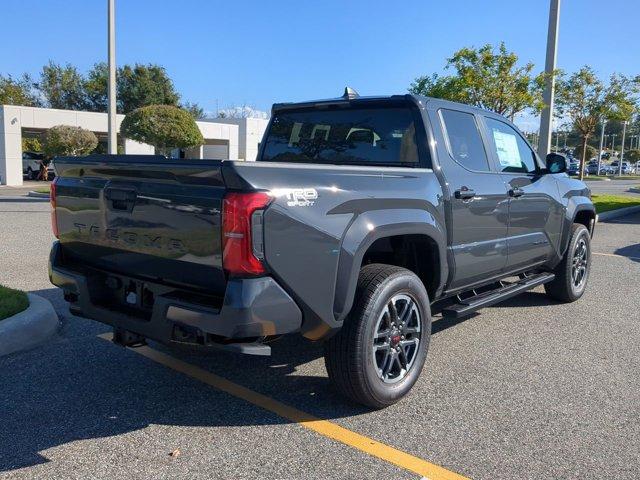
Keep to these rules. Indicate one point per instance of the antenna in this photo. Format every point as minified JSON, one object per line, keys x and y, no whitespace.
{"x":350,"y":93}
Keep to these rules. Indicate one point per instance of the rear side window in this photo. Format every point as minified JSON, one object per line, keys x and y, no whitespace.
{"x":348,"y":136}
{"x":464,"y":142}
{"x":513,"y":153}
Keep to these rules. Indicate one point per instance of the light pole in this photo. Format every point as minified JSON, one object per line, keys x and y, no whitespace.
{"x":624,"y":130}
{"x":613,"y":142}
{"x":544,"y":144}
{"x":111,"y":111}
{"x":601,"y":144}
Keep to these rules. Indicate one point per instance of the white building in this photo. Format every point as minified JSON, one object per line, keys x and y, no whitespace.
{"x":232,"y":138}
{"x":251,"y":131}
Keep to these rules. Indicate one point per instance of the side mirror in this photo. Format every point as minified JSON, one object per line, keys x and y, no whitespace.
{"x":556,"y":163}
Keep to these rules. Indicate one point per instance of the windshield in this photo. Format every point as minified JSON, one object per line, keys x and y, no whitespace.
{"x":352,"y":136}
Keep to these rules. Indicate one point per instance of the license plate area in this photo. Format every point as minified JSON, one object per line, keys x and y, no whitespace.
{"x":132,"y":297}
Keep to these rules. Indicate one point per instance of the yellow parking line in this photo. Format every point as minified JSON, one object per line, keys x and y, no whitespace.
{"x":323,"y":427}
{"x":615,"y":255}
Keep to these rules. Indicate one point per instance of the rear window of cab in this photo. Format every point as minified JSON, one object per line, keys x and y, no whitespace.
{"x":361,"y":135}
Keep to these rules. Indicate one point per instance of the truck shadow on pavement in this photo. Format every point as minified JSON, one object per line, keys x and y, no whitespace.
{"x":632,"y":252}
{"x":81,"y":387}
{"x":528,"y":299}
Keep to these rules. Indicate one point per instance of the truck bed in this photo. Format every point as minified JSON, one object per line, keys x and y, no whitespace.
{"x":160,"y":221}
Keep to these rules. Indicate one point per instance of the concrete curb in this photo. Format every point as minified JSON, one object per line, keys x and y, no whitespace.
{"x":37,"y":195}
{"x":29,"y":328}
{"x":620,"y":212}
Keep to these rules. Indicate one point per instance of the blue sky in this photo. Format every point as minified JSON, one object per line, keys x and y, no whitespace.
{"x":257,"y":53}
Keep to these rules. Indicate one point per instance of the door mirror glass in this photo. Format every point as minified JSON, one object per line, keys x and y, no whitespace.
{"x":556,"y":163}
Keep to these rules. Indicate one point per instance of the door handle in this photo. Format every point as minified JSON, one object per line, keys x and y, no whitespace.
{"x":121,"y":198}
{"x":516,"y":192}
{"x":464,"y":193}
{"x":123,"y":194}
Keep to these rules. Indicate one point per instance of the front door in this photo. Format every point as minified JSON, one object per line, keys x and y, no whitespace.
{"x":478,"y":213}
{"x":535,"y":217}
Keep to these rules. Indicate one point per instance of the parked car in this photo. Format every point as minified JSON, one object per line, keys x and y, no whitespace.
{"x":606,"y":169}
{"x":615,"y":167}
{"x":31,"y":165}
{"x":31,"y":162}
{"x":573,"y":168}
{"x":592,"y":168}
{"x":360,"y":218}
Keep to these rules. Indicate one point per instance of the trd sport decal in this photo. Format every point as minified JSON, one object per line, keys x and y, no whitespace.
{"x":297,"y":197}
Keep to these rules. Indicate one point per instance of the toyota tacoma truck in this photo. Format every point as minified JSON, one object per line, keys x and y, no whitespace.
{"x":360,"y":219}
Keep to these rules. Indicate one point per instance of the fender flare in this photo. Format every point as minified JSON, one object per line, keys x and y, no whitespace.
{"x":575,"y":205}
{"x":372,"y":226}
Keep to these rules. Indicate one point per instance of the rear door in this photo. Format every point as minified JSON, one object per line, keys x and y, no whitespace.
{"x":478,"y":213}
{"x":535,"y":216}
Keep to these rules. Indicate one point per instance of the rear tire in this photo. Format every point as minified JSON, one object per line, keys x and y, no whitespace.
{"x":572,"y":273}
{"x":377,"y":356}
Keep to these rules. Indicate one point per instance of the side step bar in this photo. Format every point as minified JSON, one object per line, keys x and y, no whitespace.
{"x":471,"y":304}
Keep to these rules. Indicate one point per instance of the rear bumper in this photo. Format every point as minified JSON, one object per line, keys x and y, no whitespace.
{"x":252,"y":308}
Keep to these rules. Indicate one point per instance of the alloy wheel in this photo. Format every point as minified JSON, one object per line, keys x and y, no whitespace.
{"x":396,"y":338}
{"x":580,"y":264}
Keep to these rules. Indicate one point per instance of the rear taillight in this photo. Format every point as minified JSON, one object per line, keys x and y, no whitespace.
{"x":54,"y":217}
{"x":242,"y":246}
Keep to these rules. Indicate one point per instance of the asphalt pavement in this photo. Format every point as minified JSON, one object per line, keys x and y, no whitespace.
{"x":529,"y":389}
{"x":27,"y":185}
{"x":615,"y":187}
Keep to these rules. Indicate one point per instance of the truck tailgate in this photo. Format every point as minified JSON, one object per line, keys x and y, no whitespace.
{"x":148,"y":216}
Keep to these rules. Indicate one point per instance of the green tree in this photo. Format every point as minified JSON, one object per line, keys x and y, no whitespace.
{"x":138,"y":86}
{"x":591,"y":152}
{"x":95,"y":87}
{"x":62,"y":87}
{"x":633,"y":156}
{"x":196,"y":111}
{"x":144,"y":85}
{"x":18,"y":91}
{"x":31,"y":144}
{"x":163,"y":126}
{"x":586,"y":100}
{"x":487,"y":78}
{"x":68,"y":140}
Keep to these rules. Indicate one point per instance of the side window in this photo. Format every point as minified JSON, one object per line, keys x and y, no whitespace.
{"x":464,"y":141}
{"x":513,"y":153}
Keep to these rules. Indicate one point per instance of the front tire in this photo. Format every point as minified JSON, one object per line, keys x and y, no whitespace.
{"x":572,"y":273}
{"x":378,"y":355}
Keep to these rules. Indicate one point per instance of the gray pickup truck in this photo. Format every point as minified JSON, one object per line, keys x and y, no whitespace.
{"x":360,"y":219}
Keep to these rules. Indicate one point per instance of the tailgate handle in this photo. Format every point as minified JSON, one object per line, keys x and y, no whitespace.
{"x":121,"y":198}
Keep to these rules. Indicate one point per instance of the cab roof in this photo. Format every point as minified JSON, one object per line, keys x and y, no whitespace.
{"x":352,"y":98}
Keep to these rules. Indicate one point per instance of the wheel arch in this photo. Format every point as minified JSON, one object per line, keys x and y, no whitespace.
{"x":408,"y":230}
{"x":579,"y":210}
